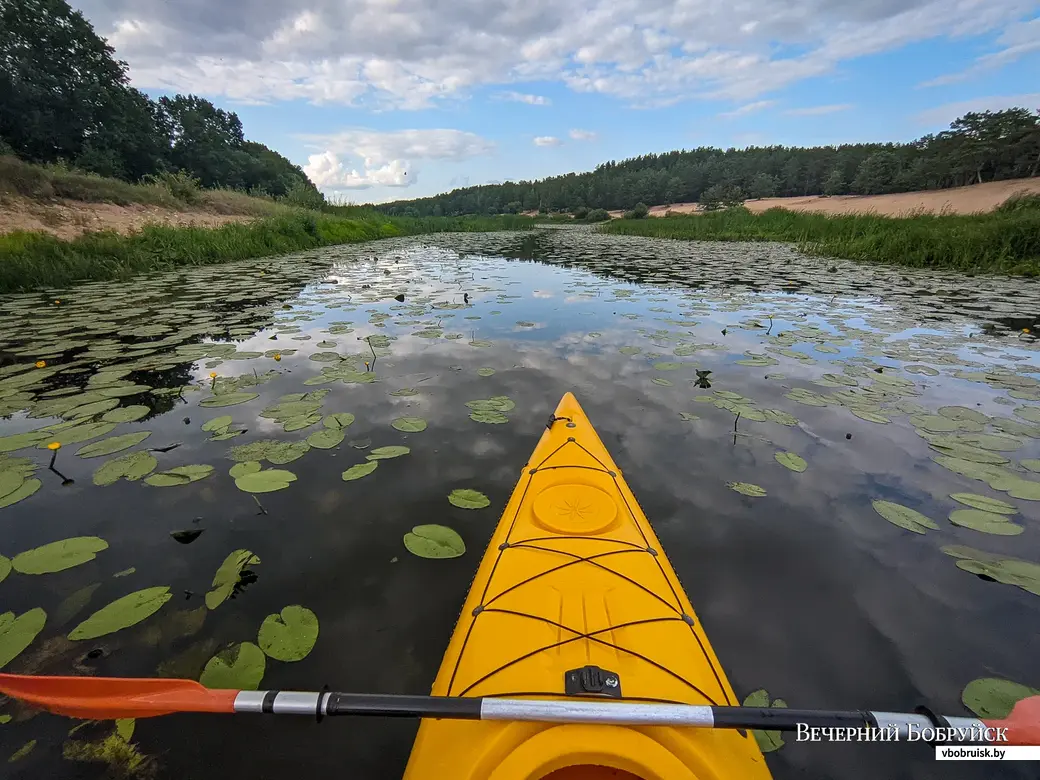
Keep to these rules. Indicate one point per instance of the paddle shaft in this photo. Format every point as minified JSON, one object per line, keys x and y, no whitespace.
{"x":898,"y":726}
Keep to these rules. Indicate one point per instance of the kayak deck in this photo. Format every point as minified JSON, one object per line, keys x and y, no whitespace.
{"x":573,"y":577}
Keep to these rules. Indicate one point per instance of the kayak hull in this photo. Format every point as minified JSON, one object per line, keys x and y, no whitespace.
{"x":574,"y":577}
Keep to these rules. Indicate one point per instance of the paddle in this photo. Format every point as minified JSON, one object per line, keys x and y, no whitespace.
{"x":105,"y":698}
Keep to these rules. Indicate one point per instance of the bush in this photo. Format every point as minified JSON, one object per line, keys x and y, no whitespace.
{"x":1019,"y":202}
{"x":21,"y":178}
{"x":640,"y":211}
{"x":719,"y":196}
{"x":304,"y":196}
{"x":580,"y":212}
{"x":597,"y":215}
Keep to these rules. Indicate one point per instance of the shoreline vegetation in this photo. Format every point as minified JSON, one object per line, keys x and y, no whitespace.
{"x":1005,"y":240}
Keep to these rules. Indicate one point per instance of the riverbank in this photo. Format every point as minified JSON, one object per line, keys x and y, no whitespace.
{"x":35,"y":260}
{"x":1006,"y":240}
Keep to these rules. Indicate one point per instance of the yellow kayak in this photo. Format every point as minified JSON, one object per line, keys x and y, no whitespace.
{"x":575,"y":600}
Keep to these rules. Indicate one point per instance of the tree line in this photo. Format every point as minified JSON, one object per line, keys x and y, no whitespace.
{"x":978,"y":147}
{"x":64,"y":98}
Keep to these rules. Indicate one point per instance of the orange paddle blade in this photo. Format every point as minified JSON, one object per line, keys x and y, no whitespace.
{"x":107,"y":698}
{"x":1022,"y":723}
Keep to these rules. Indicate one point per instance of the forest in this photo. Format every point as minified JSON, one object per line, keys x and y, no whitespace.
{"x":977,"y":147}
{"x":67,"y":100}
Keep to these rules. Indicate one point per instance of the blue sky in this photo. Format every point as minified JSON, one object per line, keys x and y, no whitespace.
{"x":390,"y":99}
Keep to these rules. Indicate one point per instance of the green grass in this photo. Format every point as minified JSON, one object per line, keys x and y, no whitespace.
{"x":1006,"y":240}
{"x":34,"y":260}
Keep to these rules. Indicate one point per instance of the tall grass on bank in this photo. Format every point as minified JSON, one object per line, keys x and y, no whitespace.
{"x":1005,"y":240}
{"x":33,"y":260}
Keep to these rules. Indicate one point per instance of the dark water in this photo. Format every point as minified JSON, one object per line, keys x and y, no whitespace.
{"x":806,"y":591}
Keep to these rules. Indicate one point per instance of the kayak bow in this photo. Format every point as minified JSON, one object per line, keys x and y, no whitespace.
{"x":575,"y":601}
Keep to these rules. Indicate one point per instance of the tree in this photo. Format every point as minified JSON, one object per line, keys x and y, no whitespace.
{"x":639,"y":211}
{"x":763,"y":186}
{"x":834,"y":184}
{"x":877,"y":174}
{"x":721,"y":196}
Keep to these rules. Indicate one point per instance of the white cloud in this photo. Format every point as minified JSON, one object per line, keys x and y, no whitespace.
{"x":546,"y":140}
{"x":818,"y":110}
{"x":386,"y":158}
{"x":521,"y":97}
{"x":944,"y":114}
{"x":583,"y":135}
{"x":749,"y":108}
{"x":411,"y":54}
{"x":1018,"y":40}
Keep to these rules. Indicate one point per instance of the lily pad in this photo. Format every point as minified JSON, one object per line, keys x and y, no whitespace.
{"x":1031,"y":413}
{"x":404,"y":392}
{"x":870,"y":416}
{"x":301,"y":422}
{"x":668,"y":366}
{"x":491,"y":417}
{"x":747,"y":489}
{"x":384,"y":453}
{"x":239,"y":667}
{"x":1002,"y":568}
{"x":485,"y":372}
{"x":126,"y":414}
{"x":17,"y":633}
{"x":985,"y":503}
{"x":465,"y":498}
{"x":228,"y":575}
{"x":338,"y":421}
{"x":58,"y":556}
{"x":658,"y":380}
{"x":326,"y":438}
{"x":289,"y":635}
{"x":265,"y":481}
{"x":228,"y":399}
{"x":78,"y":433}
{"x":993,"y":697}
{"x":113,"y":444}
{"x":434,"y":541}
{"x":180,"y":475}
{"x":246,"y":467}
{"x":904,"y":517}
{"x":130,"y":467}
{"x":791,"y":460}
{"x":218,"y":423}
{"x":630,"y":350}
{"x":271,"y":450}
{"x":768,"y":741}
{"x":687,"y":417}
{"x":122,"y":613}
{"x":409,"y":424}
{"x":360,"y":470}
{"x":985,"y":522}
{"x":26,"y":489}
{"x":5,"y":567}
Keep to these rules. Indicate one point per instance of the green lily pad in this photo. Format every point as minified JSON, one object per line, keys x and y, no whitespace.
{"x":434,"y":541}
{"x":468,"y":499}
{"x":768,"y":741}
{"x":1002,"y":568}
{"x":58,"y":556}
{"x":1022,"y":488}
{"x":338,"y":421}
{"x":78,"y":433}
{"x":791,"y":460}
{"x":963,"y":413}
{"x":19,"y":441}
{"x":779,"y":416}
{"x":747,"y":489}
{"x":359,"y":470}
{"x":26,"y":489}
{"x":409,"y":424}
{"x":480,"y":343}
{"x":5,"y":567}
{"x":265,"y":481}
{"x":985,"y":522}
{"x":113,"y":444}
{"x":1032,"y":464}
{"x":326,"y":438}
{"x":239,"y":667}
{"x":22,"y":752}
{"x":630,"y":350}
{"x":1031,"y":413}
{"x":904,"y":517}
{"x":301,"y":422}
{"x":271,"y":450}
{"x":485,"y":372}
{"x":870,"y":416}
{"x":246,"y":467}
{"x":228,"y":399}
{"x":404,"y":392}
{"x":228,"y":575}
{"x":993,"y":697}
{"x":126,"y":414}
{"x":89,"y":410}
{"x":668,"y":366}
{"x":122,"y":613}
{"x":985,"y":503}
{"x":180,"y":475}
{"x":934,"y":423}
{"x":384,"y":453}
{"x":17,"y":633}
{"x":499,"y":403}
{"x":289,"y":635}
{"x":687,"y":417}
{"x":490,"y":417}
{"x":218,"y":423}
{"x":129,"y":467}
{"x":657,"y":380}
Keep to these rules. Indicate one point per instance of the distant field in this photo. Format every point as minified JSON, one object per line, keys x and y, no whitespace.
{"x":958,"y":200}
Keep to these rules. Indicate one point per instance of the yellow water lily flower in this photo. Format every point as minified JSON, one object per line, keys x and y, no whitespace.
{"x":278,"y":356}
{"x":57,"y":301}
{"x":54,"y":445}
{"x":1025,"y":330}
{"x":41,"y":363}
{"x":212,"y":374}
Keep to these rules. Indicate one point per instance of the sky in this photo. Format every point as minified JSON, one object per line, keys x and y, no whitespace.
{"x":381,"y":100}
